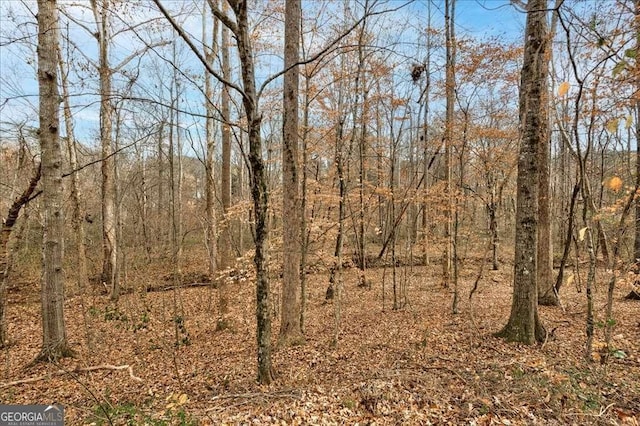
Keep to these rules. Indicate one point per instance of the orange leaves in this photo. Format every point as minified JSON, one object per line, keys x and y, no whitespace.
{"x":614,"y":184}
{"x":563,"y":89}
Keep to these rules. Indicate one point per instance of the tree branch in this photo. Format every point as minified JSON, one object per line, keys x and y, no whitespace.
{"x":195,"y":50}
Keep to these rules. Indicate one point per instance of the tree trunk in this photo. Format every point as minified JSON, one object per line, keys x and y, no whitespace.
{"x":290,"y":331}
{"x":546,"y":289}
{"x":225,"y":233}
{"x":425,"y":146}
{"x":304,"y":222}
{"x":258,"y":192}
{"x":634,"y":295}
{"x":109,"y":242}
{"x":211,"y":238}
{"x":362,"y":151}
{"x":449,"y":87}
{"x":54,"y":339}
{"x":636,"y":245}
{"x":524,"y":325}
{"x":77,"y":219}
{"x":493,"y":229}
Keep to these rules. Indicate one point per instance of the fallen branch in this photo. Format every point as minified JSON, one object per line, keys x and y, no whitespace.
{"x":178,"y":287}
{"x":75,"y":370}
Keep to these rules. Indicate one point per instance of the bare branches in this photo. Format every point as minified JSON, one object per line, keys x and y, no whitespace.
{"x":195,"y":50}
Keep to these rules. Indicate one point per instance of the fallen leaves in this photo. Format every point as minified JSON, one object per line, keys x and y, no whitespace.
{"x":420,"y":365}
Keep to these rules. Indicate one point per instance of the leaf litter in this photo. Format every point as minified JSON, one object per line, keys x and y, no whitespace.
{"x":418,"y":365}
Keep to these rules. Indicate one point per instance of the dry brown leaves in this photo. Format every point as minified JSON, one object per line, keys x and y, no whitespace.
{"x":420,"y":365}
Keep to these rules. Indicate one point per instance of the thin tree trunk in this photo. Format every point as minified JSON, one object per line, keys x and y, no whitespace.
{"x":493,"y":228}
{"x":336,"y":275}
{"x":225,"y":233}
{"x":160,"y":221}
{"x":568,"y":238}
{"x":449,"y":87}
{"x":77,"y":220}
{"x":109,"y":242}
{"x":82,"y":277}
{"x":211,"y":238}
{"x":362,"y":152}
{"x":144,"y":208}
{"x":636,"y":245}
{"x":306,"y":232}
{"x":258,"y":192}
{"x":425,"y":146}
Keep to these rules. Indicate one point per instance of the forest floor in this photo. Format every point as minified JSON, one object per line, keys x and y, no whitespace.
{"x":417,"y":365}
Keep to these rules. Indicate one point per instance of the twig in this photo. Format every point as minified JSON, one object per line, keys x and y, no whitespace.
{"x":75,"y":370}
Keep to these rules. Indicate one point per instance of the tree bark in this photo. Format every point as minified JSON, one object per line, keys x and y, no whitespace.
{"x":77,"y":218}
{"x":546,"y":289}
{"x":225,"y":233}
{"x":524,"y":325}
{"x":109,"y":243}
{"x":449,"y":87}
{"x":634,"y":295}
{"x":290,"y":331}
{"x":425,"y":145}
{"x":54,"y":339}
{"x":258,"y":191}
{"x":211,"y":238}
{"x":636,"y":245}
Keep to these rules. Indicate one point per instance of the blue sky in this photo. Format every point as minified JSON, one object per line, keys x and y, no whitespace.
{"x":492,"y":17}
{"x":477,"y":18}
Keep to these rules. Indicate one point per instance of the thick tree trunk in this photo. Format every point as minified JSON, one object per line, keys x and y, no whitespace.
{"x":524,"y":325}
{"x":290,"y":331}
{"x":54,"y":339}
